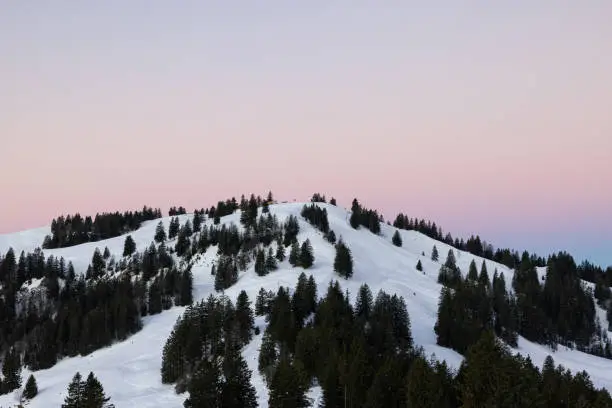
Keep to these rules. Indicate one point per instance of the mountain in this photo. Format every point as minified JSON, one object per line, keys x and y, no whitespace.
{"x":130,"y":369}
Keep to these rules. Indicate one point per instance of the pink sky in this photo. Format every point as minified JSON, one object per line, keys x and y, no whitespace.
{"x":493,"y":119}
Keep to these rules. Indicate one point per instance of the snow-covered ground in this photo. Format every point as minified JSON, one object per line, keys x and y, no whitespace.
{"x":130,"y":370}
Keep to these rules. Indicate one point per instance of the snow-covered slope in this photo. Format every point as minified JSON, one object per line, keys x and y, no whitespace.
{"x":130,"y":371}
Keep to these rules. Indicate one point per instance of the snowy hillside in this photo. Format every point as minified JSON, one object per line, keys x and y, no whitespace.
{"x":130,"y":371}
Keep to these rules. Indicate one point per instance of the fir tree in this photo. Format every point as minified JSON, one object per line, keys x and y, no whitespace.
{"x":287,"y":386}
{"x":483,"y":277}
{"x":267,"y":356}
{"x":244,"y":317}
{"x":343,"y":262}
{"x":197,"y":221}
{"x":93,"y":393}
{"x":450,"y":275}
{"x":185,"y":296}
{"x":11,"y":370}
{"x":364,"y":303}
{"x":260,"y":263}
{"x":74,"y":399}
{"x":294,"y":254}
{"x":205,"y":386}
{"x":306,"y":255}
{"x":397,"y":239}
{"x":174,"y":228}
{"x":237,"y":390}
{"x":129,"y":246}
{"x":434,"y":254}
{"x":419,"y":266}
{"x":332,"y":201}
{"x":31,"y":388}
{"x":160,"y":233}
{"x":472,"y":275}
{"x":331,"y":237}
{"x":106,"y":254}
{"x":280,"y":252}
{"x":270,"y":263}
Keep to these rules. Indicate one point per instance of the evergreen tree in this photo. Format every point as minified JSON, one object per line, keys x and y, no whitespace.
{"x":160,"y":233}
{"x":332,"y":201}
{"x":11,"y":370}
{"x":434,"y":254}
{"x":205,"y":387}
{"x":472,"y":275}
{"x":129,"y":246}
{"x":450,"y":275}
{"x":260,"y":263}
{"x":106,"y":254}
{"x":294,"y":254}
{"x":267,"y":356}
{"x":76,"y":388}
{"x":185,"y":296}
{"x":31,"y":388}
{"x":429,"y":387}
{"x":306,"y":255}
{"x":364,"y":303}
{"x":280,"y":252}
{"x":331,"y":237}
{"x":270,"y":263}
{"x":287,"y":386}
{"x":237,"y":390}
{"x":93,"y":393}
{"x":397,"y":239}
{"x":155,"y":297}
{"x":197,"y":221}
{"x":174,"y":228}
{"x":419,"y":266}
{"x":98,"y":265}
{"x":343,"y":262}
{"x":483,"y":278}
{"x":244,"y":317}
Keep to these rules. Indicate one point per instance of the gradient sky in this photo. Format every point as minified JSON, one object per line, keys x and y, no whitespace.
{"x":487,"y":117}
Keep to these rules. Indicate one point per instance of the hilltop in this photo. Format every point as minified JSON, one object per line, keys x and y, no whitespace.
{"x":130,"y":369}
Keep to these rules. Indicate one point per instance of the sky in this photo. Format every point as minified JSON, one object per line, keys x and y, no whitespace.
{"x":490,"y":118}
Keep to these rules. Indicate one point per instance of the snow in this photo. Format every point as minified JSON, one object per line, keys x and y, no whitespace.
{"x":130,"y":370}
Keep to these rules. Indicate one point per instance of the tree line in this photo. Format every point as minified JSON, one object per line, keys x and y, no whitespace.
{"x":74,"y":229}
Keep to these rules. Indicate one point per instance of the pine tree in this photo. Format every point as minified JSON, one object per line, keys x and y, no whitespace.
{"x":174,"y":227}
{"x":343,"y":262}
{"x":364,"y":302}
{"x":74,"y":399}
{"x":106,"y":254}
{"x":11,"y":370}
{"x":260,"y":263}
{"x":267,"y":356}
{"x":244,"y":317}
{"x":205,"y":386}
{"x":419,"y":266}
{"x":197,"y":221}
{"x":237,"y":390}
{"x":450,"y":275}
{"x":185,"y":297}
{"x":306,"y":255}
{"x":287,"y":386}
{"x":160,"y":233}
{"x":294,"y":254}
{"x":129,"y":246}
{"x":280,"y":252}
{"x":270,"y":263}
{"x":332,"y":201}
{"x":93,"y":393}
{"x":31,"y":388}
{"x":98,"y":265}
{"x":397,"y":239}
{"x":483,"y":278}
{"x":472,"y":275}
{"x":434,"y":254}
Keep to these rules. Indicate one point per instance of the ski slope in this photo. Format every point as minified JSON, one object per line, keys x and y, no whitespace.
{"x":130,"y":370}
